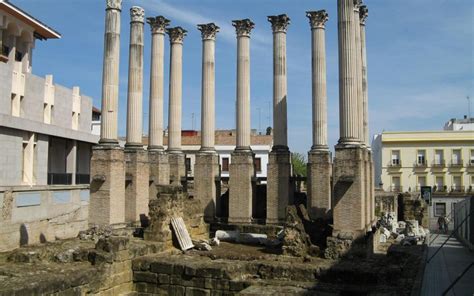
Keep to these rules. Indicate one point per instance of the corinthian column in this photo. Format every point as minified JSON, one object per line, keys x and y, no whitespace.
{"x":175,"y":88}
{"x":135,"y":79}
{"x":348,"y":103}
{"x":176,"y":157}
{"x":242,"y":169}
{"x":317,"y":20}
{"x":319,"y":159}
{"x":363,"y":14}
{"x":206,"y":168}
{"x":208,"y":34}
{"x":280,"y":129}
{"x":243,"y":29}
{"x":159,"y":163}
{"x":110,"y":73}
{"x":279,"y":164}
{"x":358,"y":76}
{"x":158,"y":25}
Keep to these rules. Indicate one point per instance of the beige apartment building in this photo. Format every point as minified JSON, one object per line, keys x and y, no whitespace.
{"x":444,"y":160}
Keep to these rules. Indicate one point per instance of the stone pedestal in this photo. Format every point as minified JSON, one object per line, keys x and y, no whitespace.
{"x":159,"y":167}
{"x":177,"y":169}
{"x":107,"y":191}
{"x":241,"y":186}
{"x":349,"y":209}
{"x":207,"y":183}
{"x":319,"y":184}
{"x":278,"y":186}
{"x":137,"y":177}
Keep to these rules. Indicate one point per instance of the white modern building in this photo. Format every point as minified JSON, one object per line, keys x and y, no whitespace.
{"x":45,"y":140}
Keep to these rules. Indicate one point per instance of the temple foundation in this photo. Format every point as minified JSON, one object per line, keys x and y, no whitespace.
{"x":207,"y":183}
{"x":279,"y":194}
{"x":319,"y":184}
{"x":241,"y":186}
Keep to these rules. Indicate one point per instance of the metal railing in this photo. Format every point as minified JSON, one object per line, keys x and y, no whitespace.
{"x":457,"y":189}
{"x":59,"y":179}
{"x":395,"y":188}
{"x":395,"y":163}
{"x":420,"y":163}
{"x":83,"y":178}
{"x":456,"y":163}
{"x":438,"y":163}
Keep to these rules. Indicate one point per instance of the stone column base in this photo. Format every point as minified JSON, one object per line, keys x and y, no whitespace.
{"x":159,"y":171}
{"x":137,"y":177}
{"x":107,"y":190}
{"x":241,"y":186}
{"x":278,"y":186}
{"x":349,"y":209}
{"x":178,"y":174}
{"x":207,"y":183}
{"x":319,"y":184}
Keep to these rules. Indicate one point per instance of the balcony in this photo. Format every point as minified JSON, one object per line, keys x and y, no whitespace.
{"x":470,"y":165}
{"x":440,"y":189}
{"x":4,"y":54}
{"x":457,"y":189}
{"x":456,"y":163}
{"x":438,"y":164}
{"x":420,"y":164}
{"x":396,"y":188}
{"x":59,"y":179}
{"x":395,"y":163}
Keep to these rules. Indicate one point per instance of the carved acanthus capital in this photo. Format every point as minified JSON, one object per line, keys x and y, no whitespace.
{"x":208,"y":31}
{"x":357,"y":5}
{"x":137,"y":14}
{"x":114,"y":4}
{"x":158,"y":24}
{"x":363,"y":14}
{"x":243,"y":27}
{"x":279,"y":22}
{"x":317,"y":19}
{"x":176,"y":34}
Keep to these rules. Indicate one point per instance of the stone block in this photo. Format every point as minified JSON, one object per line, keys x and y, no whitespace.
{"x":136,"y":186}
{"x":207,"y":183}
{"x":241,"y":186}
{"x":177,"y":168}
{"x":147,"y":277}
{"x":177,"y":290}
{"x":197,"y":292}
{"x":349,"y":195}
{"x":319,"y":184}
{"x":107,"y":200}
{"x":161,"y":267}
{"x":159,"y":168}
{"x":163,"y":279}
{"x":279,"y":194}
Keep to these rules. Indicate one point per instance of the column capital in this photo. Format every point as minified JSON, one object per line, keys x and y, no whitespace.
{"x":357,"y":5}
{"x":114,"y":4}
{"x":317,"y":19}
{"x":208,"y":31}
{"x":243,"y":27}
{"x":363,"y":14}
{"x":137,"y":14}
{"x":176,"y":34}
{"x":279,"y":22}
{"x":158,"y":24}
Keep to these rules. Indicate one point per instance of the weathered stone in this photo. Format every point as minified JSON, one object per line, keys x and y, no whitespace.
{"x":160,"y":267}
{"x":147,"y":277}
{"x":113,"y":244}
{"x":197,"y":292}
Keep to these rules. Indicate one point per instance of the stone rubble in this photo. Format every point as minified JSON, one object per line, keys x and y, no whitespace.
{"x":405,"y":233}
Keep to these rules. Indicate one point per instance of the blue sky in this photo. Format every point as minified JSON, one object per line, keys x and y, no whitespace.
{"x":420,"y":59}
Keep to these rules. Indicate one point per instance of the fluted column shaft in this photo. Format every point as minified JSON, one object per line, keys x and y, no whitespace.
{"x":175,"y":89}
{"x":158,"y":25}
{"x":348,"y":108}
{"x":135,"y":79}
{"x":280,"y":125}
{"x":243,"y":28}
{"x":365,"y":95}
{"x":110,"y":76}
{"x":358,"y":76}
{"x":318,"y":67}
{"x":208,"y":34}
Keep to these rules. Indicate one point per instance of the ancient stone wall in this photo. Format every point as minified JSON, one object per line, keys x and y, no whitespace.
{"x":386,"y":202}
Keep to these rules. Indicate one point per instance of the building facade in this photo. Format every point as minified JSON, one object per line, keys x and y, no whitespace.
{"x":45,"y":140}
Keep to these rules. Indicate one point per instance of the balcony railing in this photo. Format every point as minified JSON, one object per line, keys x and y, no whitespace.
{"x":456,"y":163}
{"x":83,"y":178}
{"x":438,"y":163}
{"x":396,"y":188}
{"x":457,"y":189}
{"x":396,"y":163}
{"x":420,"y":163}
{"x":59,"y":179}
{"x":443,"y":188}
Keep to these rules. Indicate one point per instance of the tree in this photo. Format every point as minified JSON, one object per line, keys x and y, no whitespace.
{"x":299,"y":164}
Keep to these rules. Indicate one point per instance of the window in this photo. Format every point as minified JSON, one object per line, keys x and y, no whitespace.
{"x":440,"y":209}
{"x":395,"y":158}
{"x":421,"y":181}
{"x":439,"y":160}
{"x":439,"y":183}
{"x":421,"y":159}
{"x":457,"y":186}
{"x":258,"y":164}
{"x":225,"y":164}
{"x":188,"y":164}
{"x":396,"y":184}
{"x":471,"y":161}
{"x":456,"y":157}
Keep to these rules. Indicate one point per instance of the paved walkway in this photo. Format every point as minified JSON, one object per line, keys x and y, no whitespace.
{"x":445,"y":267}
